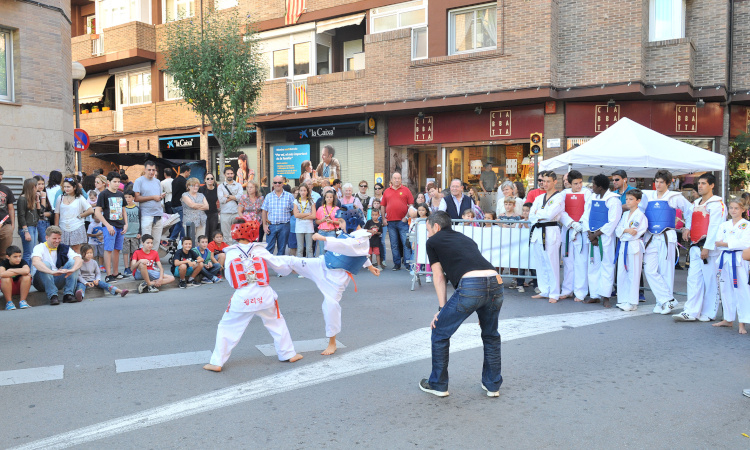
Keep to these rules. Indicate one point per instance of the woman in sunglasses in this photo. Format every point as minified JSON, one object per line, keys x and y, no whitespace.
{"x":71,"y":208}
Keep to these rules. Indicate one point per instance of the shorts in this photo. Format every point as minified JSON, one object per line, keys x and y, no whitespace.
{"x":152,"y":274}
{"x":130,"y":245}
{"x":188,"y":272}
{"x":113,"y":242}
{"x":98,"y":249}
{"x":375,"y":251}
{"x":16,"y":282}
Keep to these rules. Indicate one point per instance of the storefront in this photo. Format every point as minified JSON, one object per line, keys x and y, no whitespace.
{"x":687,"y":122}
{"x":354,"y":150}
{"x":439,"y":147}
{"x":187,"y":147}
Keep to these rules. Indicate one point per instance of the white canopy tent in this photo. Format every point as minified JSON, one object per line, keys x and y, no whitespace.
{"x":639,"y":151}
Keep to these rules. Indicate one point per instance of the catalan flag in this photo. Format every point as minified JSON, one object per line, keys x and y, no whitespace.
{"x":294,"y":9}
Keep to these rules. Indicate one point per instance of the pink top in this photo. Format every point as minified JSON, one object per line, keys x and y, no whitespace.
{"x":326,"y":211}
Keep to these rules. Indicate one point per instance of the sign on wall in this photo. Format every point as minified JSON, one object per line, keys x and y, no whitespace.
{"x":288,"y":159}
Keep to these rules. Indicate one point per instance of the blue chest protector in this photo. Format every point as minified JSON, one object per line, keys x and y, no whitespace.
{"x":661,"y":216}
{"x":599,"y":215}
{"x":352,"y":264}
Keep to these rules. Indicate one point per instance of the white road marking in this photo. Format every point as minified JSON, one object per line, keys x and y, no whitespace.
{"x":162,"y":361}
{"x":407,"y":348}
{"x":313,"y":345}
{"x":34,"y":375}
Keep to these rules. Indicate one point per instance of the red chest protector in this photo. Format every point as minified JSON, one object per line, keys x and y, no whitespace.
{"x":699,"y":227}
{"x":574,"y":204}
{"x":245,"y":272}
{"x":680,"y":223}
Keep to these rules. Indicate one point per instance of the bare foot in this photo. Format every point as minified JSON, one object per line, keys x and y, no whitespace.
{"x":563,"y":297}
{"x":554,"y":300}
{"x":294,"y":358}
{"x":724,"y":323}
{"x":742,"y":329}
{"x":331,"y":349}
{"x":538,"y":296}
{"x":578,"y":299}
{"x":212,"y":368}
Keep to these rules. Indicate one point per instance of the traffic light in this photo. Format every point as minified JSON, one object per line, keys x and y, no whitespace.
{"x":536,"y":145}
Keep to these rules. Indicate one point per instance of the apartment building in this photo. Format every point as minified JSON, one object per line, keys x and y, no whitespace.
{"x":36,"y":89}
{"x":428,"y":87}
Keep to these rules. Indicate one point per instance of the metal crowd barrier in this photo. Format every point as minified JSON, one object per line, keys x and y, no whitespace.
{"x":504,"y":243}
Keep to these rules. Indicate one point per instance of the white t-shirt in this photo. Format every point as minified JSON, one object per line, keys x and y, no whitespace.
{"x":304,"y":225}
{"x":49,"y":256}
{"x":52,"y":195}
{"x":69,"y":220}
{"x":166,"y":187}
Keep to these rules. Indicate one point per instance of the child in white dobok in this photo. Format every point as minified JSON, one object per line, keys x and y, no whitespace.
{"x":245,"y":269}
{"x":732,"y":238}
{"x":630,"y":229}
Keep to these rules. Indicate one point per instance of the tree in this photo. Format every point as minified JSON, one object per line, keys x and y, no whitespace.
{"x":217,"y":65}
{"x":737,"y":162}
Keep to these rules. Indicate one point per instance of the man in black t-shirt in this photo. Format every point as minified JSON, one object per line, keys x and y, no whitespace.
{"x":456,"y":258}
{"x":15,"y":278}
{"x":179,"y":187}
{"x":110,"y":212}
{"x":7,"y":212}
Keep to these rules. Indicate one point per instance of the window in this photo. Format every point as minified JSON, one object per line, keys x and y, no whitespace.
{"x":473,"y":29}
{"x":401,"y":15}
{"x":281,"y":63}
{"x":302,"y":58}
{"x":6,"y":66}
{"x":117,"y":12}
{"x":178,"y":9}
{"x":133,"y":88}
{"x":91,"y":24}
{"x":666,"y":20}
{"x":224,"y":4}
{"x":323,"y":56}
{"x":171,"y":91}
{"x":419,"y":43}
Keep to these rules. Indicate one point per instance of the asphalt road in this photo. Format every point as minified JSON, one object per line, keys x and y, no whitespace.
{"x":640,"y":381}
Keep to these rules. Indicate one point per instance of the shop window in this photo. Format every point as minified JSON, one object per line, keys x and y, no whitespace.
{"x":419,"y":43}
{"x":171,"y":91}
{"x":133,"y":88}
{"x":178,"y":9}
{"x":666,"y":20}
{"x":6,"y":65}
{"x":473,"y":29}
{"x":402,"y":15}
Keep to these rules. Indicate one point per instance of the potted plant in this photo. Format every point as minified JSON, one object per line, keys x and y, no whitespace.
{"x":95,"y":108}
{"x":84,"y":111}
{"x":107,"y":104}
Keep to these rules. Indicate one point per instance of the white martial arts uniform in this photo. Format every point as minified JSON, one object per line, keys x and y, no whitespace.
{"x":602,"y":268}
{"x":546,"y":255}
{"x":249,"y":301}
{"x":629,"y":264}
{"x":734,"y":300}
{"x":575,"y":265}
{"x":702,"y":290}
{"x":659,"y":258}
{"x":331,"y":282}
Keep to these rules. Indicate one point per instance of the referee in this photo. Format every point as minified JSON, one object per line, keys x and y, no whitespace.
{"x":456,"y":258}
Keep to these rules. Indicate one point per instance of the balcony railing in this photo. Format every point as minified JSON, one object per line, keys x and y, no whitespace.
{"x":97,"y":46}
{"x":297,"y":94}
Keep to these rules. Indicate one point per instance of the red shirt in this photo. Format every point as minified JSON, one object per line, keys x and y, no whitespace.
{"x":152,"y":257}
{"x":396,"y":202}
{"x":533,"y":194}
{"x":216,"y":249}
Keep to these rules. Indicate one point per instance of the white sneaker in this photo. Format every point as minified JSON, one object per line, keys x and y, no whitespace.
{"x":746,"y":392}
{"x":491,"y":393}
{"x":683,"y":317}
{"x":704,"y":319}
{"x":627,"y":307}
{"x":658,"y":309}
{"x":428,"y":279}
{"x":521,"y":289}
{"x":669,"y":306}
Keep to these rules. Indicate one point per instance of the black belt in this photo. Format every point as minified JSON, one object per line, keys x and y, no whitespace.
{"x":666,"y":241}
{"x":700,"y":243}
{"x":543,"y":226}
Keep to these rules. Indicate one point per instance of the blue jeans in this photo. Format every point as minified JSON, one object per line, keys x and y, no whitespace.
{"x":41,"y":230}
{"x":397,"y":231}
{"x":277,"y":237}
{"x":49,"y":284}
{"x":212,"y":272}
{"x":111,"y":289}
{"x":177,"y":230}
{"x":321,"y":245}
{"x":28,"y":246}
{"x":382,"y":243}
{"x":485,"y":296}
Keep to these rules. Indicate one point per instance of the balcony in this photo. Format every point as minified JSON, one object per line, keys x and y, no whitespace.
{"x":121,"y":45}
{"x":297,"y":94}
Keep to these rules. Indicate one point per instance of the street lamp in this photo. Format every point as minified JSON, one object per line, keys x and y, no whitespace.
{"x":79,"y":73}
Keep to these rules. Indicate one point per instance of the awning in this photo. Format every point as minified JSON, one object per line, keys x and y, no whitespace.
{"x":338,"y":22}
{"x":92,"y":88}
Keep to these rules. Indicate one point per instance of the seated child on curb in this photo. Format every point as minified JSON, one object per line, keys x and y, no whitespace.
{"x":146,"y":266}
{"x":211,"y":267}
{"x":15,"y":278}
{"x":217,"y":247}
{"x":187,"y":262}
{"x":91,"y":276}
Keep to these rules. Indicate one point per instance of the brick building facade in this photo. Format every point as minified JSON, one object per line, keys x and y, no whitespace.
{"x":442,"y":97}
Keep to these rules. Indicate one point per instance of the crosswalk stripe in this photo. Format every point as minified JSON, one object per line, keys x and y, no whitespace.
{"x":33,"y":375}
{"x":312,"y":345}
{"x":161,"y":361}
